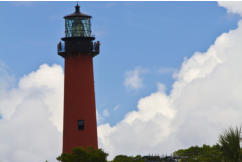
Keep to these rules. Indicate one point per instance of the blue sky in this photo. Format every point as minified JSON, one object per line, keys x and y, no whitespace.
{"x":148,"y":35}
{"x":168,"y":75}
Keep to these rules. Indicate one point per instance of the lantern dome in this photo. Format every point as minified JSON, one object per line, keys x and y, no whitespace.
{"x":77,"y":24}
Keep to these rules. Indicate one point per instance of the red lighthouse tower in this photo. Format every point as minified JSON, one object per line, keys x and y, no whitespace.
{"x":78,"y":50}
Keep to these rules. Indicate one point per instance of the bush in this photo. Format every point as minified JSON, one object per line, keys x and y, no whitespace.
{"x":84,"y":155}
{"x":124,"y":158}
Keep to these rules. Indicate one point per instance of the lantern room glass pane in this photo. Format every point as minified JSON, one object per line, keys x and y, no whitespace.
{"x":78,"y":27}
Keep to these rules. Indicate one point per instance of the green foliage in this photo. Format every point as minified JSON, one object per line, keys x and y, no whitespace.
{"x":205,"y":153}
{"x":84,"y":155}
{"x":228,"y":150}
{"x":91,"y":155}
{"x":124,"y":158}
{"x":230,"y":144}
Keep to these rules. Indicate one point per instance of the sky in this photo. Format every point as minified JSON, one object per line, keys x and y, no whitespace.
{"x":168,"y":75}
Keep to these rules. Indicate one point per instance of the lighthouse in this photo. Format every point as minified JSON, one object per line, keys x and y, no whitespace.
{"x":78,"y":49}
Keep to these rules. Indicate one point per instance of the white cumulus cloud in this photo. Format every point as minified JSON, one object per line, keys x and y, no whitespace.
{"x":205,"y":99}
{"x":232,"y":6}
{"x":31,"y":121}
{"x":133,"y":78}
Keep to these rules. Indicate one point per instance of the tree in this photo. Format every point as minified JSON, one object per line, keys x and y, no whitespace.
{"x":84,"y":155}
{"x":124,"y":158}
{"x":230,"y":144}
{"x":205,"y":153}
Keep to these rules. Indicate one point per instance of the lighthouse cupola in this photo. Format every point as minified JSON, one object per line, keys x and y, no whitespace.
{"x":78,"y":38}
{"x":78,"y":24}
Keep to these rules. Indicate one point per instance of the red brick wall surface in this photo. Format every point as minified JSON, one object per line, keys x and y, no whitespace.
{"x":79,"y":103}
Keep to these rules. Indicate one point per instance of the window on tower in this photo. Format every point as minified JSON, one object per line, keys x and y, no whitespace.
{"x":80,"y":124}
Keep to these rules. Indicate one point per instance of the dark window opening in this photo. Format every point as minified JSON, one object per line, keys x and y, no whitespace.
{"x":80,"y":124}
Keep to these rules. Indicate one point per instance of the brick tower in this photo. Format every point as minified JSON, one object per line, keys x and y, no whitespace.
{"x":78,"y":50}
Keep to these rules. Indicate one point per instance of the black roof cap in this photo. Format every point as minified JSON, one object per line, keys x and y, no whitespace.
{"x":77,"y":13}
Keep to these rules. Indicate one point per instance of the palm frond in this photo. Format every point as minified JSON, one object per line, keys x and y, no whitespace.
{"x":230,"y":144}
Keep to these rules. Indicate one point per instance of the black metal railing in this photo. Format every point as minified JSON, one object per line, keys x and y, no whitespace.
{"x":96,"y":48}
{"x":93,"y":49}
{"x":61,"y":47}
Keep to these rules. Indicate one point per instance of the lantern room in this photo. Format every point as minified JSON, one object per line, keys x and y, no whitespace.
{"x":78,"y":24}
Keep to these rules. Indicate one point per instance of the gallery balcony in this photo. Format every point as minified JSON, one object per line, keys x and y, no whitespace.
{"x":78,"y":47}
